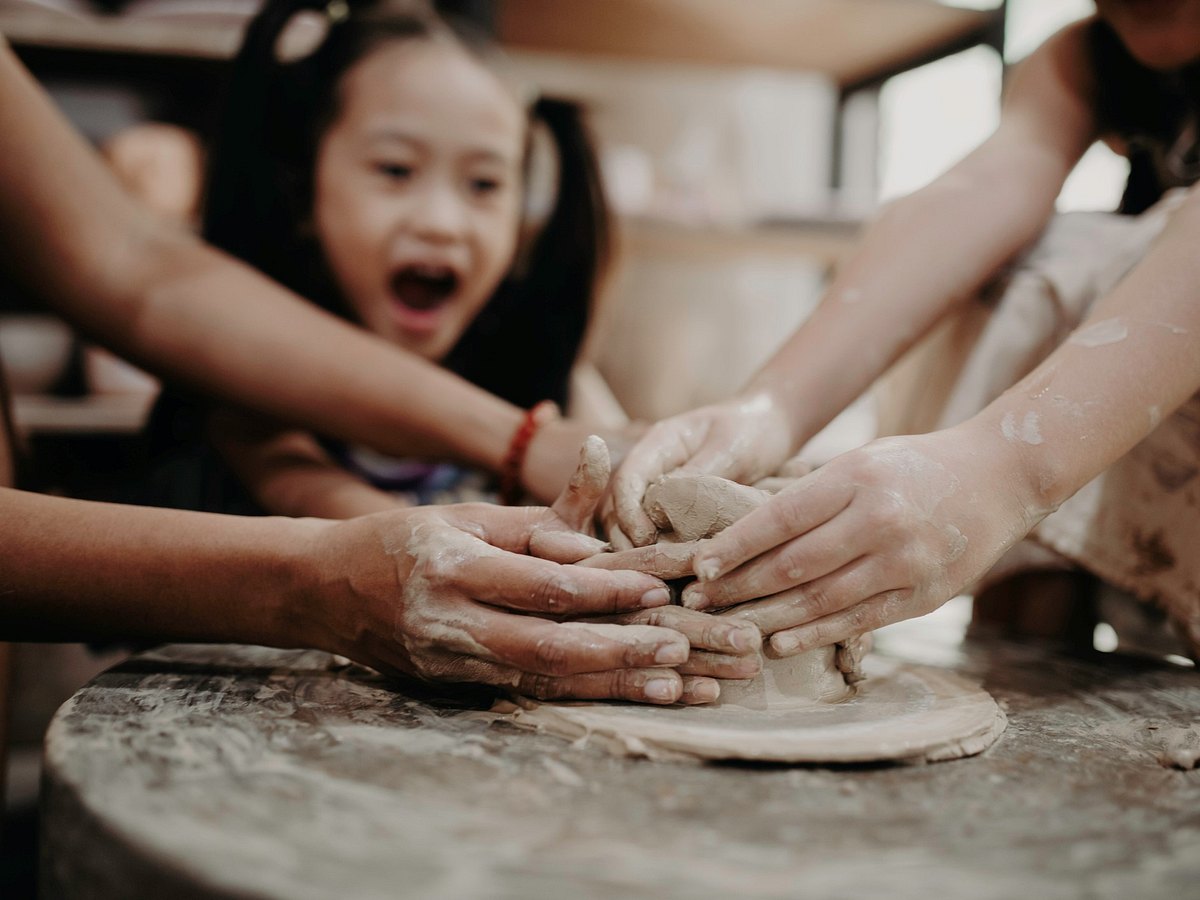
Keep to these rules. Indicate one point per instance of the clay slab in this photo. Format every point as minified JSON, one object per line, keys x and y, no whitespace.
{"x":901,"y":713}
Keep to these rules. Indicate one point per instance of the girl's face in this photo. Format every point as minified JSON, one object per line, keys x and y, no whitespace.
{"x":1161,"y":34}
{"x":418,"y":191}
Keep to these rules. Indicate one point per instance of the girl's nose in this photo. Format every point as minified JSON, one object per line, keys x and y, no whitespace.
{"x":439,"y":213}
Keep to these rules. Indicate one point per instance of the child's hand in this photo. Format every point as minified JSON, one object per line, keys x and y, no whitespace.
{"x":883,"y":533}
{"x":449,"y":594}
{"x":742,"y":439}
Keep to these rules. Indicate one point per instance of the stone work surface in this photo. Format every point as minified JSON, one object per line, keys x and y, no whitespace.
{"x":205,"y":772}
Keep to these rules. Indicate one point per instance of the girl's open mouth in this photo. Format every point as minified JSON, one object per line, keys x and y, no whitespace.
{"x":424,"y":287}
{"x":420,"y":293}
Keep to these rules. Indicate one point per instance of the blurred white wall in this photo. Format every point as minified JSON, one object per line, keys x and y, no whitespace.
{"x":933,"y":116}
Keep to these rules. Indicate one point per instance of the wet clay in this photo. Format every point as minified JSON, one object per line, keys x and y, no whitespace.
{"x":699,"y":507}
{"x":814,"y":707}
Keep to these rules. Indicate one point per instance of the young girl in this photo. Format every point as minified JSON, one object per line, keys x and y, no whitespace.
{"x":895,"y":528}
{"x":382,"y":174}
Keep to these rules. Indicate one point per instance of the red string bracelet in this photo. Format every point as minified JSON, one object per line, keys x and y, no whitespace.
{"x":511,"y":489}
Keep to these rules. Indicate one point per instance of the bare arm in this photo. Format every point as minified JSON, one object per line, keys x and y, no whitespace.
{"x":446,"y":594}
{"x":160,"y":297}
{"x":925,"y":254}
{"x":288,"y":473}
{"x":928,"y":252}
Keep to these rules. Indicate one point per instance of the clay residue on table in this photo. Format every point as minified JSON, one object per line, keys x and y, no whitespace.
{"x":1180,"y":747}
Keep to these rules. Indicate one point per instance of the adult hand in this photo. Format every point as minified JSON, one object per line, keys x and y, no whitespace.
{"x":743,"y":440}
{"x":883,"y":533}
{"x":447,"y":594}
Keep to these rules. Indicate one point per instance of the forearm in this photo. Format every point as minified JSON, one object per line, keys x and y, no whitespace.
{"x":1126,"y":368}
{"x":323,"y":493}
{"x":218,"y":325}
{"x":287,"y":472}
{"x":72,"y":570}
{"x":938,"y":247}
{"x":915,"y":263}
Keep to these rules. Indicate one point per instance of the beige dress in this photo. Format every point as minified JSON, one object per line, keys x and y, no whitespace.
{"x":1137,"y":525}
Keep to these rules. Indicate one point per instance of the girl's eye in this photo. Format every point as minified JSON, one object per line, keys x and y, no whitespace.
{"x":484,"y":186}
{"x":394,"y":171}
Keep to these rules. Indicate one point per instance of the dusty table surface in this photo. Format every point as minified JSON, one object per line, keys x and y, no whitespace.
{"x":245,"y":772}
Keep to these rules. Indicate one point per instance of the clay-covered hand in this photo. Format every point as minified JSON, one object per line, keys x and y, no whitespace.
{"x":450,"y":594}
{"x":883,"y":533}
{"x":743,"y":440}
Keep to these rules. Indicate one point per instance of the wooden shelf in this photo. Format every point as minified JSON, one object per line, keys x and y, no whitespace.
{"x":97,"y":414}
{"x":826,"y":241}
{"x":216,"y":37}
{"x":852,"y":41}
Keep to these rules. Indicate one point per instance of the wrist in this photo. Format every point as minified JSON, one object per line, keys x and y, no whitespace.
{"x":778,"y":433}
{"x":297,"y":614}
{"x":1016,"y":461}
{"x":513,"y":468}
{"x":777,"y":403}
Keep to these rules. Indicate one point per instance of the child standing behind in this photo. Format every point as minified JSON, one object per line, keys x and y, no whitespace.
{"x":382,"y":175}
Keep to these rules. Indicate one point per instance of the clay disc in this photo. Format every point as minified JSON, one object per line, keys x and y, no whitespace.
{"x":900,"y":713}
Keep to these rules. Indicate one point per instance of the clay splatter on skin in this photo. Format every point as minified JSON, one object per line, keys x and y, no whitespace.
{"x":1100,"y":334}
{"x":850,"y":295}
{"x":1028,"y":431}
{"x":957,"y":544}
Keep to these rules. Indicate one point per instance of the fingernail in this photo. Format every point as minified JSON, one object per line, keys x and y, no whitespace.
{"x":660,"y":689}
{"x":705,"y":691}
{"x":707,"y":568}
{"x":785,"y":643}
{"x":693,"y":597}
{"x":672,"y":654}
{"x":745,"y":640}
{"x":655,"y":597}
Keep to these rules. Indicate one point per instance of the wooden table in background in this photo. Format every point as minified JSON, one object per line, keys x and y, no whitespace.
{"x":233,"y":772}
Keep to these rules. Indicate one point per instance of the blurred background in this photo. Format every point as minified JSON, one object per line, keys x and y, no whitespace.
{"x":743,"y":144}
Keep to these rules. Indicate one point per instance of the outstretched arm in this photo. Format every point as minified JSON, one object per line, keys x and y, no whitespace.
{"x":895,"y":529}
{"x":925,"y":254}
{"x":445,"y":594}
{"x":160,"y":297}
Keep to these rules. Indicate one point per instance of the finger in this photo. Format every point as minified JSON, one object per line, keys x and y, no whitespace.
{"x":577,"y":503}
{"x":862,"y":578}
{"x":656,"y":686}
{"x":697,"y":691}
{"x":797,"y":510}
{"x":628,"y":514}
{"x":562,"y":546}
{"x":870,"y":614}
{"x":542,"y":647}
{"x":616,"y":537}
{"x":720,"y":665}
{"x":703,"y":630}
{"x":661,"y":560}
{"x":537,"y":585}
{"x":799,"y":561}
{"x":662,"y":450}
{"x":850,"y":655}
